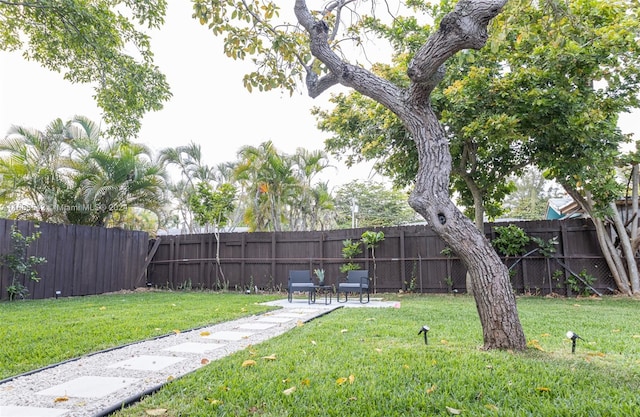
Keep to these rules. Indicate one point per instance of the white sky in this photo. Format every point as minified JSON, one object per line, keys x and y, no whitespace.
{"x":209,"y":105}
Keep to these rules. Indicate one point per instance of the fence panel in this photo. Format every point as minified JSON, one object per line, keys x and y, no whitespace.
{"x":411,"y":258}
{"x":81,"y":260}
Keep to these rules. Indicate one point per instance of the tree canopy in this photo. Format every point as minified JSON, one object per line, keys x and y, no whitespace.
{"x":102,"y":43}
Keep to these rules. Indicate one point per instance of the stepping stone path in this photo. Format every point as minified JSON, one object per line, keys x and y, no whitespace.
{"x":92,"y":385}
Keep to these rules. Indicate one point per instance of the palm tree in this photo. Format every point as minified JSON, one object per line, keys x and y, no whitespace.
{"x":116,"y":178}
{"x":188,"y":159}
{"x":268,"y":181}
{"x":33,"y":170}
{"x":312,"y":199}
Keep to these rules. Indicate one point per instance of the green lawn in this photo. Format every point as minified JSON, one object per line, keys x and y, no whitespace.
{"x":372,"y":362}
{"x":357,"y":362}
{"x":38,"y":333}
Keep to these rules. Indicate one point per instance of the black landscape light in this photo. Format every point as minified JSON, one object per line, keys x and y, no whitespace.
{"x":571,"y":335}
{"x":425,"y":330}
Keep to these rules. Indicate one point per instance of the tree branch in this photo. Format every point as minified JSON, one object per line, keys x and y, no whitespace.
{"x":342,"y":72}
{"x":464,"y":28}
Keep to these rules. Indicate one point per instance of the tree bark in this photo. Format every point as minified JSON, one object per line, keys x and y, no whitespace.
{"x":465,"y":27}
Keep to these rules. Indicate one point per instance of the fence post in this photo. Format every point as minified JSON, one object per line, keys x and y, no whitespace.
{"x":273,"y":256}
{"x":243,"y":255}
{"x":403,"y":273}
{"x":565,"y":251}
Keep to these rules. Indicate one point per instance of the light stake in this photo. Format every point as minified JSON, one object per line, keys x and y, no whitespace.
{"x":425,"y":330}
{"x":571,"y":335}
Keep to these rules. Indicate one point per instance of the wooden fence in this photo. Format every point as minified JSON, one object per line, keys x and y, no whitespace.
{"x":411,"y":258}
{"x":80,"y":260}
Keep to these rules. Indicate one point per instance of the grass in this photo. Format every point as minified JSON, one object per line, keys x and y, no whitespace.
{"x":37,"y":333}
{"x":372,"y":362}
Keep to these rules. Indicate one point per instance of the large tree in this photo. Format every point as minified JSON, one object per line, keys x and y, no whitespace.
{"x":100,"y":42}
{"x":547,"y":92}
{"x":570,"y":69}
{"x":284,"y":54}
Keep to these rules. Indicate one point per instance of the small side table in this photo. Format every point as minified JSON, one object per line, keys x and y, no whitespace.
{"x":327,"y":290}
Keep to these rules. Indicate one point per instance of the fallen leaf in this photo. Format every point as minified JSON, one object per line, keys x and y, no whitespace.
{"x":636,"y":336}
{"x":103,"y":308}
{"x":405,"y":366}
{"x":248,"y":362}
{"x":352,"y":379}
{"x":176,"y":331}
{"x":269,"y":358}
{"x":171,"y":378}
{"x":353,"y":398}
{"x":453,"y":411}
{"x":615,"y":331}
{"x":545,"y":335}
{"x":444,"y":342}
{"x":370,"y":319}
{"x":344,"y":331}
{"x":204,"y":361}
{"x":491,"y":407}
{"x":299,"y":323}
{"x":289,"y":391}
{"x":341,"y":380}
{"x":378,"y":350}
{"x":205,"y":334}
{"x":313,"y":342}
{"x":286,"y":381}
{"x":215,"y":402}
{"x":305,"y":382}
{"x":61,"y":399}
{"x":543,"y":389}
{"x":431,"y":389}
{"x":535,"y":344}
{"x":156,"y":411}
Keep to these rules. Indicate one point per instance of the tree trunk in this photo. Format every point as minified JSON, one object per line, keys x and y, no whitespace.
{"x":491,"y":285}
{"x":611,"y":254}
{"x":625,"y":244}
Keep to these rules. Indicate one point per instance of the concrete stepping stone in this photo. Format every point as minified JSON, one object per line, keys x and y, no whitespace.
{"x":256,"y":326}
{"x":88,"y":387}
{"x":190,"y":347}
{"x":147,"y":363}
{"x":274,"y":319}
{"x":228,"y":335}
{"x":15,"y":411}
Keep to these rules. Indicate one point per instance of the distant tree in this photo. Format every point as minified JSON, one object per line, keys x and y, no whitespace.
{"x":97,"y":42}
{"x":531,"y":195}
{"x":212,"y":208}
{"x":70,"y":174}
{"x":377,"y":205}
{"x":192,"y":170}
{"x":269,"y":183}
